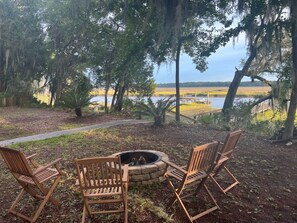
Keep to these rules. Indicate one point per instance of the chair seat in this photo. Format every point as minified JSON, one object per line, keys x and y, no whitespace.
{"x":106,"y":191}
{"x":41,"y":176}
{"x":177,"y":174}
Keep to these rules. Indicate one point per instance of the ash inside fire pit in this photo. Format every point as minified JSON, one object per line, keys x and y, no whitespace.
{"x":137,"y":158}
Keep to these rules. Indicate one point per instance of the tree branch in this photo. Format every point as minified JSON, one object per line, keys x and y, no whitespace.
{"x":262,"y":80}
{"x":261,"y":100}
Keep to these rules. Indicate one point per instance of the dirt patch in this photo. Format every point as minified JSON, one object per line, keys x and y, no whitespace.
{"x":267,"y":174}
{"x":17,"y":122}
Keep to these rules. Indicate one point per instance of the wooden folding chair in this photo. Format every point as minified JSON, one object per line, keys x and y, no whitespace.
{"x":191,"y":178}
{"x":32,"y":177}
{"x":224,"y":155}
{"x":102,"y":183}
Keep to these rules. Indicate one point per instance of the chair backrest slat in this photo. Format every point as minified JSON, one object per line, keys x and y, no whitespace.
{"x":16,"y":161}
{"x":202,"y":158}
{"x":99,"y":172}
{"x":230,"y":143}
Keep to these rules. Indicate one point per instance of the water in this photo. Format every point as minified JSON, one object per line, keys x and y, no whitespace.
{"x":216,"y":102}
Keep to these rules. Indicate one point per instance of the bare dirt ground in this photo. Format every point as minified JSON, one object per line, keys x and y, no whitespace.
{"x":267,"y":173}
{"x":16,"y":122}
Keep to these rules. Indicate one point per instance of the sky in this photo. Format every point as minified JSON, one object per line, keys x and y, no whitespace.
{"x":221,"y":65}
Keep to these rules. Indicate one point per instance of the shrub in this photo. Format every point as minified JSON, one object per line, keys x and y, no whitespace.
{"x":156,"y":110}
{"x":206,"y":119}
{"x":77,"y":94}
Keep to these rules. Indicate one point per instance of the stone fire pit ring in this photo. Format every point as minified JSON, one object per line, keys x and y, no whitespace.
{"x":147,"y":173}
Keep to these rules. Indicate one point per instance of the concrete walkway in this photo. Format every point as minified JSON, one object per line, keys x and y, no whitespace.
{"x":71,"y":131}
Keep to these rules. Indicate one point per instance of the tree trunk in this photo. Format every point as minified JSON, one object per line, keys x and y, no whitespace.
{"x":177,"y":94}
{"x":78,"y":112}
{"x":106,"y":101}
{"x":229,"y":100}
{"x":2,"y":77}
{"x":239,"y":74}
{"x":157,"y":121}
{"x":107,"y":86}
{"x":289,"y":125}
{"x":114,"y":96}
{"x":106,"y":98}
{"x":119,"y":103}
{"x":58,"y":92}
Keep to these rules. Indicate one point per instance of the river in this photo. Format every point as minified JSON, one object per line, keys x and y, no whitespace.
{"x":216,"y":102}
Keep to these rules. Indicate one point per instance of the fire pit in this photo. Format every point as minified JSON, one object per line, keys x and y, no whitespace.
{"x":145,"y":166}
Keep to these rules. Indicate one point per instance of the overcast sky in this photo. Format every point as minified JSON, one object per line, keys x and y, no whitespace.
{"x":221,"y":66}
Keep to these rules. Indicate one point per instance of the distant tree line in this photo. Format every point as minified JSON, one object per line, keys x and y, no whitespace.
{"x":212,"y":84}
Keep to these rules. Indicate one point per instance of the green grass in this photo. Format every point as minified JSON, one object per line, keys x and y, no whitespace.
{"x":69,"y":126}
{"x":271,"y":115}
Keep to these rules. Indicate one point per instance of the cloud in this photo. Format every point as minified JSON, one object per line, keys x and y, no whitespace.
{"x":221,"y":65}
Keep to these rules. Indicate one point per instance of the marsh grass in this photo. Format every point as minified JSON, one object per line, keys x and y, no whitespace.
{"x":214,"y":91}
{"x":203,"y":91}
{"x":194,"y":108}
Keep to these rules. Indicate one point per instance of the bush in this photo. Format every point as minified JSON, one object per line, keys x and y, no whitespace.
{"x":206,"y":119}
{"x":156,"y":110}
{"x":77,"y":94}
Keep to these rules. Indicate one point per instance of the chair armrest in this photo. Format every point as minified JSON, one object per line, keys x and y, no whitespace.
{"x":125,"y":174}
{"x":41,"y":168}
{"x":31,"y":156}
{"x":32,"y":161}
{"x":175,"y":166}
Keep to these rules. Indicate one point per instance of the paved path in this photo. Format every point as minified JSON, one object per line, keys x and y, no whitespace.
{"x":71,"y":131}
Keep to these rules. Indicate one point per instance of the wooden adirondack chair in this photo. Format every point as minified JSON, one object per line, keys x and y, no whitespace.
{"x":102,"y":182}
{"x":224,"y":155}
{"x":190,"y":179}
{"x":32,"y":178}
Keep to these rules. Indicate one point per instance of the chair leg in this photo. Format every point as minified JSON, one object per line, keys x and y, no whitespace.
{"x":183,"y":207}
{"x":233,"y":177}
{"x":225,"y":190}
{"x":125,"y":197}
{"x":215,"y":207}
{"x":211,"y":197}
{"x":49,"y":193}
{"x":84,"y":214}
{"x":46,"y":190}
{"x":19,"y":197}
{"x":126,"y":210}
{"x":173,"y":199}
{"x":29,"y":191}
{"x":179,"y":199}
{"x":12,"y":208}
